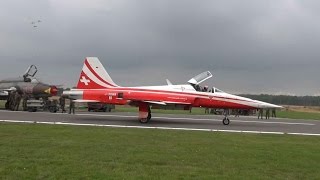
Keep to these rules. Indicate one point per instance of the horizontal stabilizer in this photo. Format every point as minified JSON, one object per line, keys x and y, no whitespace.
{"x":155,"y":102}
{"x":9,"y":90}
{"x":4,"y":93}
{"x":166,"y":102}
{"x":172,"y":102}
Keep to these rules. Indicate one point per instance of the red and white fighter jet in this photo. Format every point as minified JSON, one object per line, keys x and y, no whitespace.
{"x":95,"y":85}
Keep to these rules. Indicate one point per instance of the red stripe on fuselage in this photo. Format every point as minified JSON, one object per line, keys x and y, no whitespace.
{"x":172,"y":92}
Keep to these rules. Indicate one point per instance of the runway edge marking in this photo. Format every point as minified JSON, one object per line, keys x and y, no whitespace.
{"x":201,"y":119}
{"x":162,"y":128}
{"x":174,"y":118}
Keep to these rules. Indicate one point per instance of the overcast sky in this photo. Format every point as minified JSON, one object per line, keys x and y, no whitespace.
{"x":250,"y":46}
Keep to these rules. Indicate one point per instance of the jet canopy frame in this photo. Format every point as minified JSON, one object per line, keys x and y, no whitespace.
{"x":215,"y":90}
{"x":31,"y":72}
{"x":200,"y":78}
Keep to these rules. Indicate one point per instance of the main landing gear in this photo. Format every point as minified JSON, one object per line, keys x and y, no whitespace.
{"x":145,"y":120}
{"x":144,"y":112}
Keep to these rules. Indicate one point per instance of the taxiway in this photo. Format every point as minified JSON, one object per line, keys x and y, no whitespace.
{"x":169,"y":121}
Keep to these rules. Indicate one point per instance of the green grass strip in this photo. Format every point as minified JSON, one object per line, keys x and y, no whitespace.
{"x":33,"y":151}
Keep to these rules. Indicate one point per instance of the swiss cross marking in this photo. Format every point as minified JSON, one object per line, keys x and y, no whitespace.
{"x":84,"y":80}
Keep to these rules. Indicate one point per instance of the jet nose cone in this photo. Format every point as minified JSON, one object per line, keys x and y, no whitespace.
{"x":43,"y":89}
{"x":53,"y":90}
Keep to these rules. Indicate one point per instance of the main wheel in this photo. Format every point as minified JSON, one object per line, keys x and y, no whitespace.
{"x":144,"y":120}
{"x":149,"y":116}
{"x":226,"y":121}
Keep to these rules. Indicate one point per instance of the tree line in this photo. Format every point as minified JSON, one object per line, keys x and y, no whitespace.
{"x":286,"y":99}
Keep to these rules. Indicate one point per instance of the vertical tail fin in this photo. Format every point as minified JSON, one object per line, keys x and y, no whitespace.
{"x":94,"y":76}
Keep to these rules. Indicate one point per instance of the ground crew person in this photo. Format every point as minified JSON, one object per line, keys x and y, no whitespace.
{"x":260,"y":114}
{"x":24,"y":102}
{"x":237,"y":113}
{"x":8,"y":103}
{"x":12,"y":102}
{"x":267,"y":113}
{"x":71,"y":106}
{"x":273,"y":114}
{"x":62,"y":102}
{"x":17,"y":100}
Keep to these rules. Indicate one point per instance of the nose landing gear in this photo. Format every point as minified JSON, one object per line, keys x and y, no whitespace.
{"x":226,"y":121}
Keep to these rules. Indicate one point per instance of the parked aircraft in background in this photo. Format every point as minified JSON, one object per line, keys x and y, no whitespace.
{"x":25,"y":87}
{"x":95,"y":85}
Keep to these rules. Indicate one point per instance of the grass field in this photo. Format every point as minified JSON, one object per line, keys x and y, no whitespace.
{"x":298,"y":115}
{"x":33,"y":151}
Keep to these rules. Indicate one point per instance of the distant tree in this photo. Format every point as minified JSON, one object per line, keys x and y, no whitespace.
{"x":286,"y":100}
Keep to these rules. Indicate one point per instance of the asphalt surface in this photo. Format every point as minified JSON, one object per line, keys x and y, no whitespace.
{"x":170,"y":121}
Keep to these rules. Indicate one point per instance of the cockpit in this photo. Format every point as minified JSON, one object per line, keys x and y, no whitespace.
{"x":29,"y":74}
{"x":195,"y":81}
{"x":34,"y":81}
{"x":206,"y":89}
{"x":215,"y":90}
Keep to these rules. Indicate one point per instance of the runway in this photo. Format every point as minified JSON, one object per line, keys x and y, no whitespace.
{"x":169,"y":121}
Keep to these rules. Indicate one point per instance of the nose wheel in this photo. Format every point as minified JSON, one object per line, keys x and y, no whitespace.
{"x":226,"y":121}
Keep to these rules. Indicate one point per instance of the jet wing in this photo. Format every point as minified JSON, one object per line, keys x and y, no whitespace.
{"x":8,"y":90}
{"x":200,"y":78}
{"x":4,"y":93}
{"x":155,"y":102}
{"x":173,"y":102}
{"x":164,"y":103}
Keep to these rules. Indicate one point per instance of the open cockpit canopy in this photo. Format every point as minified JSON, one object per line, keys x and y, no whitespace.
{"x":195,"y":81}
{"x":29,"y":74}
{"x":200,"y":78}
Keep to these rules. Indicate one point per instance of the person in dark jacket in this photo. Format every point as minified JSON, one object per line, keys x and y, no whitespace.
{"x":62,"y":102}
{"x":273,"y":113}
{"x":267,"y":113}
{"x":71,"y":107}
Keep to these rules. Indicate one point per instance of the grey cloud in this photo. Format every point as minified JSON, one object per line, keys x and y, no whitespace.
{"x":250,"y":46}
